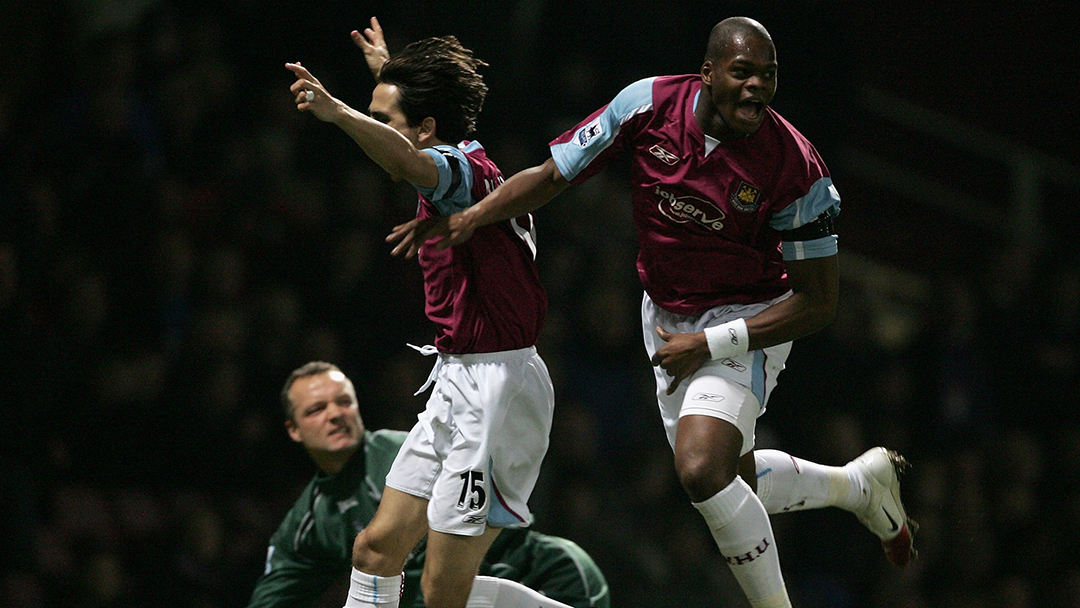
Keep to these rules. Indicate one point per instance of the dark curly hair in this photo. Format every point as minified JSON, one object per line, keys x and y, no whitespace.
{"x":437,"y":77}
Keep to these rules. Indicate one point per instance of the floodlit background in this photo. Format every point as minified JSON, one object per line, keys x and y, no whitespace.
{"x":175,"y":238}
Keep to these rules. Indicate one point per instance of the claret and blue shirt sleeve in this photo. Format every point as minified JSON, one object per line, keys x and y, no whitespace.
{"x":821,"y":200}
{"x":454,"y":190}
{"x":598,"y":134}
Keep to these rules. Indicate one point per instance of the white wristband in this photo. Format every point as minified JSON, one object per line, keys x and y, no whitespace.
{"x":729,"y":339}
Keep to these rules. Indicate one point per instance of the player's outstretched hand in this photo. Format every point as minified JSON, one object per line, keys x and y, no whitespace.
{"x":454,"y":229}
{"x":374,"y":46}
{"x":681,"y":356}
{"x":459,"y":228}
{"x":414,"y":233}
{"x":310,"y":94}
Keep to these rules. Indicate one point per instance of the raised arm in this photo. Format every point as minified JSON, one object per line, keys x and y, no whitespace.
{"x":524,"y":192}
{"x":386,"y":146}
{"x":374,"y":46}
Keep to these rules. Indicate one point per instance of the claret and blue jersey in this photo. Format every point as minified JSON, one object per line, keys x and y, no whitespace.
{"x":709,"y":214}
{"x":484,"y":295}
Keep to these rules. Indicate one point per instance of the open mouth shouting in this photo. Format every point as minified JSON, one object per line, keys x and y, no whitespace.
{"x":750,"y":111}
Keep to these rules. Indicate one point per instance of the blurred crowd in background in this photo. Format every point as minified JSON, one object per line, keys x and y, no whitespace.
{"x":175,"y":238}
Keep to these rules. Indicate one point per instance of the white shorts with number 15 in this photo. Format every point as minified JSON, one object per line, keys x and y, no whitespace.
{"x":475,"y":453}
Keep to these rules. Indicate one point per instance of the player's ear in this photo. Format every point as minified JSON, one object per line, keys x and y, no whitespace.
{"x":706,"y":73}
{"x":427,"y":129}
{"x":293,"y":430}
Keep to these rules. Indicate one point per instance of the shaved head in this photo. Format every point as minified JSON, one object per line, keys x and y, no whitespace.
{"x":738,"y":77}
{"x":733,"y":33}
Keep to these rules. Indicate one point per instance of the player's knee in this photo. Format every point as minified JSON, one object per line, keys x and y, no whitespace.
{"x":373,"y":555}
{"x":702,"y":477}
{"x":362,"y":554}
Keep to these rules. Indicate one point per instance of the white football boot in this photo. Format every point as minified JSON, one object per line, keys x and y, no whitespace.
{"x":883,"y":513}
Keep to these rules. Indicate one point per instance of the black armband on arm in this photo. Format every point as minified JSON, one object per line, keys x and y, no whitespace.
{"x":455,"y":171}
{"x":819,"y":228}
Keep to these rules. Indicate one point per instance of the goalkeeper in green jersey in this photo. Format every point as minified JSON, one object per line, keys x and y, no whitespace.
{"x":312,"y":548}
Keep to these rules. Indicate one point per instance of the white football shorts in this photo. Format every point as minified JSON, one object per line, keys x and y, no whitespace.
{"x":735,"y":389}
{"x":475,"y":453}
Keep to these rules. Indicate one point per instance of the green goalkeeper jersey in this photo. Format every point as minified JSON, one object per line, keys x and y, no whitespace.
{"x":312,"y":548}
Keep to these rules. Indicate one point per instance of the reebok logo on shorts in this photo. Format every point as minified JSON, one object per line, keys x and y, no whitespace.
{"x":733,"y":364}
{"x":708,"y":397}
{"x":474,"y":519}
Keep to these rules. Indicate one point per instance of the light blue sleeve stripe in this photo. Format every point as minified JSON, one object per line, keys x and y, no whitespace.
{"x":822,"y":198}
{"x":807,"y":250}
{"x":595,"y":136}
{"x":461,"y":198}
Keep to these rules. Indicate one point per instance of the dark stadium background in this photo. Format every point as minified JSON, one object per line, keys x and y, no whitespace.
{"x":175,"y":238}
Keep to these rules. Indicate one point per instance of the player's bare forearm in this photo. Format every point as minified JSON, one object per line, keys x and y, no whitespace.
{"x":522,"y":193}
{"x":815,"y":285}
{"x":388,"y":148}
{"x":812,"y":305}
{"x":525,"y":192}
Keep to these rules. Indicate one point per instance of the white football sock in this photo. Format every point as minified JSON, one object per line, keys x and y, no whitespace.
{"x":370,"y":591}
{"x":491,"y":592}
{"x":786,"y":483}
{"x":740,"y":526}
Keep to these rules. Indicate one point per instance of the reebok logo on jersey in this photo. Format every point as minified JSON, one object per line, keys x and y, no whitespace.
{"x":683,"y":209}
{"x":588,"y":132}
{"x":708,"y":397}
{"x":745,"y":198}
{"x":667,"y":157}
